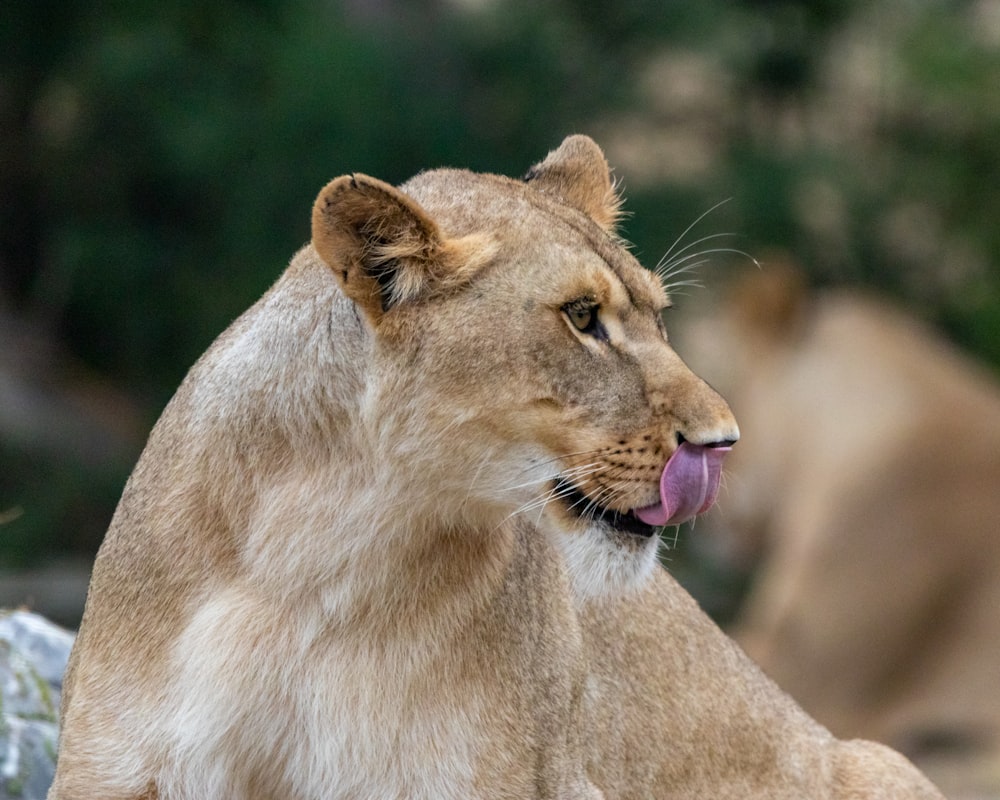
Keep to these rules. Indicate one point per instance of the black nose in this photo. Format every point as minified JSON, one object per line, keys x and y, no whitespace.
{"x":721,"y":443}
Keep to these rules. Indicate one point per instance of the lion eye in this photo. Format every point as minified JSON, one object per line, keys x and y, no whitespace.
{"x":582,"y":318}
{"x":582,"y":315}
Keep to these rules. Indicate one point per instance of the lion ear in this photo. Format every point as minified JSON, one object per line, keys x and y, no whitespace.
{"x":384,"y":249}
{"x":578,"y":174}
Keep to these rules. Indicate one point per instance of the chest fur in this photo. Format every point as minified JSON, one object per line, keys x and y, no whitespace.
{"x":268,"y":701}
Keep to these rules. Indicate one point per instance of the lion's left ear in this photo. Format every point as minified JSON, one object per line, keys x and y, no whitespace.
{"x":384,"y":249}
{"x":579,"y":175}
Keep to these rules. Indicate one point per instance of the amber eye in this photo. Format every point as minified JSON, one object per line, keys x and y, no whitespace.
{"x":582,"y":317}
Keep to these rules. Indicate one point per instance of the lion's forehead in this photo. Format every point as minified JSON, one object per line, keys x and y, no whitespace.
{"x":527,"y":223}
{"x":643,"y":290}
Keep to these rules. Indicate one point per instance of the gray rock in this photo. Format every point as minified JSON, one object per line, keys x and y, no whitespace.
{"x":33,"y":655}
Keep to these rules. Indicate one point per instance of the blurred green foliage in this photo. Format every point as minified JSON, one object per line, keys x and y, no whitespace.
{"x":159,"y":160}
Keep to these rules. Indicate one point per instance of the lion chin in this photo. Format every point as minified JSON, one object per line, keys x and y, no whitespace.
{"x":601,"y":560}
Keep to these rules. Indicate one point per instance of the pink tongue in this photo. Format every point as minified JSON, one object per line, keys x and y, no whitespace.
{"x":688,"y":486}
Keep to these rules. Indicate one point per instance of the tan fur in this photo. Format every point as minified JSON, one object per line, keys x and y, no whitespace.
{"x":340,"y":569}
{"x":868,"y":485}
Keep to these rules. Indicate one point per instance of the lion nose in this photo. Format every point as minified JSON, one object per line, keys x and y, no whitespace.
{"x":712,"y":439}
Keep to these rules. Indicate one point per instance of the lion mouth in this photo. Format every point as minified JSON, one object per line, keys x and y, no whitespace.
{"x":689,"y":484}
{"x":585,"y":508}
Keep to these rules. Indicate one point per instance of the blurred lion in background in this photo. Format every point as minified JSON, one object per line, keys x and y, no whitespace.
{"x":865,"y":494}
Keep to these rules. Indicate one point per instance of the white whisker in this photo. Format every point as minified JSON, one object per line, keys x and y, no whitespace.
{"x":676,"y":261}
{"x":687,"y":230}
{"x":581,"y":471}
{"x":555,"y":493}
{"x":671,"y":288}
{"x":472,"y":483}
{"x":710,"y":251}
{"x":667,"y":261}
{"x":563,"y":457}
{"x":667,"y":280}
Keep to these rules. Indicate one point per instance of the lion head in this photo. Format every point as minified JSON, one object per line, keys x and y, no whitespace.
{"x":519,"y":363}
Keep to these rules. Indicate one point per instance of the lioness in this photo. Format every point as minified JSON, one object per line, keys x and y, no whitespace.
{"x":393,"y":537}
